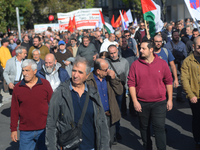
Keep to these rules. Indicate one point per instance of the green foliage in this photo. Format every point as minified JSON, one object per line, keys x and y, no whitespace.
{"x":8,"y":12}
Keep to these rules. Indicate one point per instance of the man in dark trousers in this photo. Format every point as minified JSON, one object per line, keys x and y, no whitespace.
{"x":108,"y":86}
{"x":148,"y":80}
{"x":66,"y":106}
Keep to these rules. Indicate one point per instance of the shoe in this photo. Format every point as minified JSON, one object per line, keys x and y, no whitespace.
{"x":115,"y":141}
{"x":124,"y":114}
{"x":118,"y":136}
{"x":180,"y":99}
{"x":1,"y":104}
{"x":197,"y":147}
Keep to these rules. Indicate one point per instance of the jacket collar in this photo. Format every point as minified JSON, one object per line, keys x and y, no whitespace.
{"x":39,"y":81}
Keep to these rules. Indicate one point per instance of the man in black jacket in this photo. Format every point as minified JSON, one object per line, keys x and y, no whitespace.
{"x":140,"y":33}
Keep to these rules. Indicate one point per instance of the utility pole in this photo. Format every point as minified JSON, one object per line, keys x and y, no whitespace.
{"x":18,"y":23}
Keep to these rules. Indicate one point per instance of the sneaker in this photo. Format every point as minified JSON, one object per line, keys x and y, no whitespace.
{"x":118,"y":136}
{"x":115,"y":141}
{"x":1,"y":104}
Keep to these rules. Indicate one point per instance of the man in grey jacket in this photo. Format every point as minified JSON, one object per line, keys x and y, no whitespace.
{"x":121,"y":67}
{"x":66,"y":106}
{"x":13,"y":71}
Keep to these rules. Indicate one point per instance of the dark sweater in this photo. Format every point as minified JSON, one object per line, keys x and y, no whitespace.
{"x":87,"y":52}
{"x":60,"y":57}
{"x":30,"y":105}
{"x":150,"y":79}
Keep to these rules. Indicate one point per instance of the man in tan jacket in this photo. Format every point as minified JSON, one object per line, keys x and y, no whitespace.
{"x":190,"y":78}
{"x":108,"y":87}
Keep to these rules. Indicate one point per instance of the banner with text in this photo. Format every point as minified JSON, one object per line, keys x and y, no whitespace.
{"x":43,"y":27}
{"x":85,"y":18}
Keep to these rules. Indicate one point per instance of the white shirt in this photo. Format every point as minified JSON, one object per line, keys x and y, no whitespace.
{"x":106,"y":44}
{"x":19,"y":70}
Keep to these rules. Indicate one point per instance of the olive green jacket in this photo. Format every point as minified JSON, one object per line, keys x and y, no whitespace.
{"x":115,"y":88}
{"x":190,"y":76}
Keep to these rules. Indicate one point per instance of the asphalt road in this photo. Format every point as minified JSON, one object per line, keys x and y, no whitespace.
{"x":178,"y":125}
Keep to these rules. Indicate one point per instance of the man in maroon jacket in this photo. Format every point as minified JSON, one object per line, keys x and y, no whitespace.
{"x":29,"y":105}
{"x":149,"y":78}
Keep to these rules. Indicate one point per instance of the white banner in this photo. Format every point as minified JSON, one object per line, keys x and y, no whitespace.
{"x":85,"y":18}
{"x":43,"y":27}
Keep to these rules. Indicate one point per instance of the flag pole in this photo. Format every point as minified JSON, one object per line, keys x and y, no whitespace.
{"x":148,"y":36}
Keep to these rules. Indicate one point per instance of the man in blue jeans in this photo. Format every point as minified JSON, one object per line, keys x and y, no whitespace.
{"x":29,"y":105}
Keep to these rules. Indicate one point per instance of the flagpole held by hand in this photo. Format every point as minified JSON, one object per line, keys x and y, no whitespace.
{"x":148,"y":35}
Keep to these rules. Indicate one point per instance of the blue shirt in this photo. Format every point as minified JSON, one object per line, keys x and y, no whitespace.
{"x":88,"y":127}
{"x":103,"y":92}
{"x":163,"y":56}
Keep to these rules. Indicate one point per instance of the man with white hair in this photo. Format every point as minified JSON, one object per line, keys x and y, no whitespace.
{"x":53,"y":72}
{"x":29,"y":106}
{"x":13,"y":71}
{"x":36,"y":57}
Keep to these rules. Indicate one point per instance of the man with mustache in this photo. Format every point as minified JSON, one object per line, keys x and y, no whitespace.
{"x":52,"y":71}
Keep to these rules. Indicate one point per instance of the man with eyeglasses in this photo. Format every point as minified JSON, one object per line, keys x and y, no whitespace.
{"x":132,"y":44}
{"x":166,"y":55}
{"x":178,"y":50}
{"x":191,"y":84}
{"x":140,"y":33}
{"x":108,"y":87}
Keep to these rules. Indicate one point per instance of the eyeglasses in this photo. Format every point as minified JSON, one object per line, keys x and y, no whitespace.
{"x":105,"y":69}
{"x":127,"y":35}
{"x":158,"y":41}
{"x":198,"y":47}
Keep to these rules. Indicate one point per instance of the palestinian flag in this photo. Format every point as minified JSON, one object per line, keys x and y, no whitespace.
{"x":101,"y":20}
{"x":152,"y":14}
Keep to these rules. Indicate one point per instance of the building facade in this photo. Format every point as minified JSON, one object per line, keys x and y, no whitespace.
{"x":176,"y":10}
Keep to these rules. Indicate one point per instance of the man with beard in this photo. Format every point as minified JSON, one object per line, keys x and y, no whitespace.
{"x":189,"y":44}
{"x":53,"y":72}
{"x":190,"y":80}
{"x":73,"y":48}
{"x":37,"y":45}
{"x":54,"y":49}
{"x":26,"y":43}
{"x":178,"y":50}
{"x":148,"y":80}
{"x":166,"y":55}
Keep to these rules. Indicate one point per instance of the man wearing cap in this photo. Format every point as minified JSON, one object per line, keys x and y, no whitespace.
{"x":4,"y":52}
{"x":63,"y":54}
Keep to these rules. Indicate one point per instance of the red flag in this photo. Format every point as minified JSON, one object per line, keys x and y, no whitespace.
{"x":118,"y":22}
{"x":125,"y":16}
{"x":70,"y":26}
{"x":122,"y":11}
{"x":74,"y":23}
{"x":102,"y":19}
{"x":113,"y":21}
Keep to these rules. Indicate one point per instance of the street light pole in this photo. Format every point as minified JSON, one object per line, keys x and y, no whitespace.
{"x":18,"y":24}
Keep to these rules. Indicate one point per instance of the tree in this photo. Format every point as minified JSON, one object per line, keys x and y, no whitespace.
{"x":8,"y":12}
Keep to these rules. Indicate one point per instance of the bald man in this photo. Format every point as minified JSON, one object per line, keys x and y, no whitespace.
{"x":110,"y":41}
{"x":108,"y":87}
{"x":53,"y":72}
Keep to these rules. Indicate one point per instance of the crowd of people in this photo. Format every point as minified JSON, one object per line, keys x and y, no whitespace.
{"x":62,"y":81}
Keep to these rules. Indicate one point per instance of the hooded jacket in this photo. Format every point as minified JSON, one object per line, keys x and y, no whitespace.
{"x":150,"y":79}
{"x":62,"y":73}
